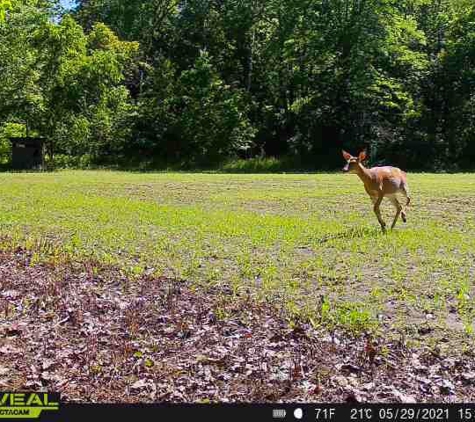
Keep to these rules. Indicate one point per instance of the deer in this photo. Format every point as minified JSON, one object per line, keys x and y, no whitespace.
{"x":380,"y":182}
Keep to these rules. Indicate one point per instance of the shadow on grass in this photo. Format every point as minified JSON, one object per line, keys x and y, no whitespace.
{"x":353,"y":233}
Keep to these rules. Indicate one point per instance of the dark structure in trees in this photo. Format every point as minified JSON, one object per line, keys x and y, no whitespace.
{"x":27,"y":153}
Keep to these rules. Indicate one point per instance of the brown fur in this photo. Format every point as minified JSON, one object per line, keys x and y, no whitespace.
{"x":380,"y":182}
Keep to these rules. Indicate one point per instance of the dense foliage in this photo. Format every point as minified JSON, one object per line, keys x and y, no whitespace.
{"x":193,"y":82}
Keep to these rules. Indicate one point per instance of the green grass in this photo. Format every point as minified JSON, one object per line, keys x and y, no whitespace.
{"x":310,"y":244}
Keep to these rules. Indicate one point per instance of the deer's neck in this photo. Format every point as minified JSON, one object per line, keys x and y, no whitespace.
{"x":364,"y":174}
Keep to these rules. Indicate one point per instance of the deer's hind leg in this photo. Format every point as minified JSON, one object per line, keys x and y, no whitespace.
{"x":399,"y":210}
{"x":407,"y":194}
{"x":403,"y":216}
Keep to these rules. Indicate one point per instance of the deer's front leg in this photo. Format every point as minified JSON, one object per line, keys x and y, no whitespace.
{"x":377,"y":211}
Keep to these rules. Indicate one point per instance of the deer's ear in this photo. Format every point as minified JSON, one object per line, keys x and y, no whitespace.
{"x":346,"y":155}
{"x":362,"y":156}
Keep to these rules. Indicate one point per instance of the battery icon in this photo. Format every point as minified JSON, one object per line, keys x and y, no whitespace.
{"x":279,"y":413}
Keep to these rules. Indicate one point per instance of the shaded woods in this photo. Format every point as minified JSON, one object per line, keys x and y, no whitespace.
{"x":198,"y":82}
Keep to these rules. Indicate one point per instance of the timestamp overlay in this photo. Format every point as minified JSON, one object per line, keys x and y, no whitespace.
{"x":392,"y":412}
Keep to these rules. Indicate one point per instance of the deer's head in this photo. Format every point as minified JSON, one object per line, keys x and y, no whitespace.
{"x":352,"y":163}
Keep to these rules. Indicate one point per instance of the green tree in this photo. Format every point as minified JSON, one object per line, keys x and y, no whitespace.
{"x":212,"y":78}
{"x":63,"y":84}
{"x":198,"y":118}
{"x":82,"y":80}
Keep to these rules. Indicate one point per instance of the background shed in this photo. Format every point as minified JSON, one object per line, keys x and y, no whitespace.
{"x":27,"y":153}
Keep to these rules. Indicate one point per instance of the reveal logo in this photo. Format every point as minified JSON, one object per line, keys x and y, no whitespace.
{"x":27,"y":405}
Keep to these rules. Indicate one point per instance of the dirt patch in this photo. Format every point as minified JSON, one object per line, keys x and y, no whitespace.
{"x":96,"y":336}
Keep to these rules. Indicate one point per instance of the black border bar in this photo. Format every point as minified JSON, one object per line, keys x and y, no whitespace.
{"x":264,"y":412}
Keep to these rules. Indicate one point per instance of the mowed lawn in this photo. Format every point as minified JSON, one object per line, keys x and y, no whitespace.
{"x":308,"y":244}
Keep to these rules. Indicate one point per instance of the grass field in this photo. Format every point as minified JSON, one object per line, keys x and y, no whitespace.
{"x":308,"y":244}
